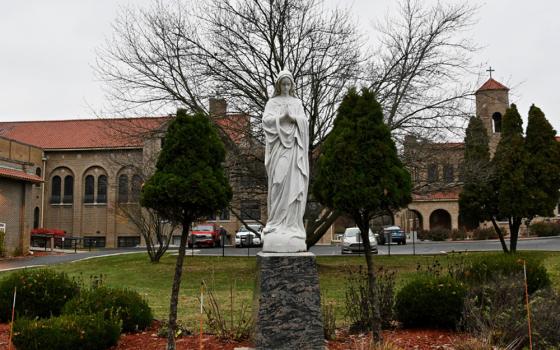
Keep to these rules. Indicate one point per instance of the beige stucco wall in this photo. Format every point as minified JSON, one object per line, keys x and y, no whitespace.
{"x":16,"y":214}
{"x":81,"y":219}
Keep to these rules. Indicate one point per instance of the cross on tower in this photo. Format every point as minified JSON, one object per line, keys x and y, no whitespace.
{"x":490,"y":70}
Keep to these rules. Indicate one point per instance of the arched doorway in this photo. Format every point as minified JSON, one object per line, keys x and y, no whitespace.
{"x":440,"y":218}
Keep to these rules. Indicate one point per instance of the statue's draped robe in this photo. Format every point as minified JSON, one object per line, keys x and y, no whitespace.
{"x":287,"y":166}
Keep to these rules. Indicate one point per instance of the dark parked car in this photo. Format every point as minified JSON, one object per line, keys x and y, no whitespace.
{"x":397,"y":235}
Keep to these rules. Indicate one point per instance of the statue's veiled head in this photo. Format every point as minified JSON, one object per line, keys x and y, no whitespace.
{"x":284,"y":80}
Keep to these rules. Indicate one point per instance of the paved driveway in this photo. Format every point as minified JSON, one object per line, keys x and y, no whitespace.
{"x":34,"y":261}
{"x":420,"y":247}
{"x":545,"y":244}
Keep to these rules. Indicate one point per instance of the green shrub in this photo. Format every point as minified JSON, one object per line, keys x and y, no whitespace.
{"x":429,"y":301}
{"x":67,"y":332}
{"x":545,"y":315}
{"x":458,"y":234}
{"x":484,"y":233}
{"x":40,"y":293}
{"x":488,"y":266}
{"x":495,"y":310}
{"x":436,"y":234}
{"x":545,"y":229}
{"x":127,"y":305}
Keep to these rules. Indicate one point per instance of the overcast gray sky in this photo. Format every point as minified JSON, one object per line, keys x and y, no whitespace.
{"x":47,"y":49}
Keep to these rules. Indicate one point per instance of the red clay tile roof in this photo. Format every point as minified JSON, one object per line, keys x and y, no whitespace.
{"x":235,"y":125}
{"x":82,"y":133}
{"x":19,"y":175}
{"x":492,"y":84}
{"x":440,"y":195}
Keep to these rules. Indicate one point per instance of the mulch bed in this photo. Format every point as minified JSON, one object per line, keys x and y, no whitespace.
{"x":416,"y":339}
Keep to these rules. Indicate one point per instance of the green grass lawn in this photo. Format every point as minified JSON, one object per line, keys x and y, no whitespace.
{"x":153,"y":281}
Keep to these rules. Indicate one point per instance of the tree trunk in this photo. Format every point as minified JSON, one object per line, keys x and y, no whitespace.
{"x":363,"y":224}
{"x":172,"y":326}
{"x":500,"y":235}
{"x":514,"y":224}
{"x":316,"y":230}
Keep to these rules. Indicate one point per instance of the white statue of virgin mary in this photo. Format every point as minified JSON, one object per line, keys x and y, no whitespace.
{"x":287,"y":142}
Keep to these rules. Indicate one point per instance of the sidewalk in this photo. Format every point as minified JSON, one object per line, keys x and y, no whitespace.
{"x":58,"y":256}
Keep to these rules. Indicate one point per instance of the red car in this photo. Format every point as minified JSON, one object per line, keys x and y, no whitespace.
{"x":204,"y":235}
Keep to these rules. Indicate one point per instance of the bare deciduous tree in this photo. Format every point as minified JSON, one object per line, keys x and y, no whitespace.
{"x":156,"y":231}
{"x":418,"y":68}
{"x":146,"y":133}
{"x":184,"y":54}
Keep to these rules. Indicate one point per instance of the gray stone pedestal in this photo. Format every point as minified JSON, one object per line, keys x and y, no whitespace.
{"x":287,"y":302}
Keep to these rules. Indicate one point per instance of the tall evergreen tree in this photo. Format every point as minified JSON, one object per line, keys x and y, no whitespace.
{"x":543,"y":170}
{"x":509,"y":185}
{"x":476,"y":198}
{"x":359,"y":173}
{"x":189,"y":182}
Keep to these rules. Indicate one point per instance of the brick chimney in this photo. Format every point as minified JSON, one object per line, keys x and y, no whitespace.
{"x":217,"y":107}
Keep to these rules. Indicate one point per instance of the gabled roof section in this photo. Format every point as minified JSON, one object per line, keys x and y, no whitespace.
{"x":19,"y":175}
{"x":83,"y":133}
{"x":492,"y":84}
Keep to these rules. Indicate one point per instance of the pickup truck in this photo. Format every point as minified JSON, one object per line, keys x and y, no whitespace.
{"x":204,"y":235}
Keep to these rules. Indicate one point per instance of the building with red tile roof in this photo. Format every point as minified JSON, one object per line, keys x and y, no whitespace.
{"x":83,"y":133}
{"x":84,"y":172}
{"x":436,"y":167}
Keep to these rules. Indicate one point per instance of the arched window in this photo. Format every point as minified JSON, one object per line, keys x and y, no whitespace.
{"x":36,"y":217}
{"x":89,"y":189}
{"x":102,"y":189}
{"x":432,"y":173}
{"x":136,"y":188}
{"x":68,"y":189}
{"x":55,"y":189}
{"x":38,"y":172}
{"x":497,"y":121}
{"x":123,"y":189}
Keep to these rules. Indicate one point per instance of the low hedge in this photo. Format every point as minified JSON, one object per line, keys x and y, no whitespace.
{"x":436,"y":234}
{"x":67,"y":332}
{"x":127,"y":305}
{"x":40,"y":293}
{"x":545,"y":229}
{"x":430,"y":301}
{"x":484,"y":233}
{"x":489,"y":266}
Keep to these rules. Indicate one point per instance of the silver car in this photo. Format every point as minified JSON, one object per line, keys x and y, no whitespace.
{"x":352,"y":241}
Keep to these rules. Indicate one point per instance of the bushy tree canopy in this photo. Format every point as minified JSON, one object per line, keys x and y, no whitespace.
{"x":189,"y":181}
{"x":510,"y":163}
{"x":473,"y":199}
{"x":543,"y":167}
{"x":521,"y":181}
{"x":360,"y":173}
{"x":359,"y":170}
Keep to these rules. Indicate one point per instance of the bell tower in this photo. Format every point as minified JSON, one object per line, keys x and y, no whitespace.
{"x":492,"y":100}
